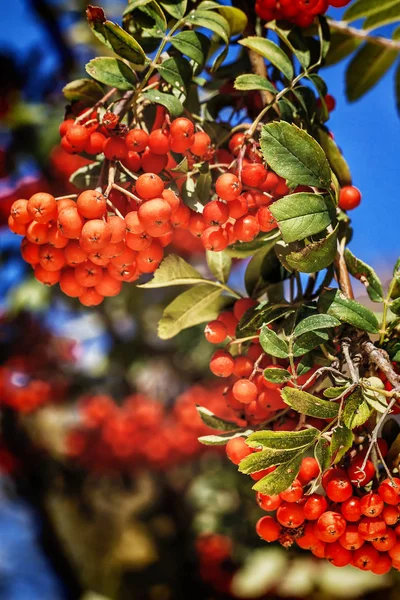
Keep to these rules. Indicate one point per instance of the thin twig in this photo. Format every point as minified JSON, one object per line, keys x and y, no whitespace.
{"x":346,"y":353}
{"x":381,"y":360}
{"x":363,"y":35}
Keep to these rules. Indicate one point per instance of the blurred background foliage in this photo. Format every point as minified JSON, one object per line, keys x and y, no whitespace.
{"x":171,"y":521}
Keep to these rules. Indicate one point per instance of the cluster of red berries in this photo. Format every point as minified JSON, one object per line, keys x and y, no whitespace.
{"x":30,"y":378}
{"x":216,"y":567}
{"x":300,"y":12}
{"x":351,"y":522}
{"x":141,"y":431}
{"x":253,"y":397}
{"x":135,"y":148}
{"x":89,"y":252}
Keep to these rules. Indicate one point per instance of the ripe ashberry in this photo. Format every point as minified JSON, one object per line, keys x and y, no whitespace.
{"x":314,"y":507}
{"x":88,"y":274}
{"x":228,"y":187}
{"x":50,"y":258}
{"x":365,"y":558}
{"x":245,"y":391}
{"x":95,"y":234}
{"x":19,"y":212}
{"x":215,"y":213}
{"x":222,"y":363}
{"x":371,"y":505}
{"x":149,"y":186}
{"x":349,"y":197}
{"x":293,"y":493}
{"x":290,"y":515}
{"x":69,"y":285}
{"x":246,"y":228}
{"x":91,"y":204}
{"x":330,"y":526}
{"x":309,"y":468}
{"x":201,"y":143}
{"x":70,"y":223}
{"x":215,"y":332}
{"x":42,"y":207}
{"x":237,"y":449}
{"x":268,"y":529}
{"x":91,"y":298}
{"x":268,"y":503}
{"x":351,"y":539}
{"x":339,"y":489}
{"x":136,"y":140}
{"x":46,"y":277}
{"x":215,"y":239}
{"x":158,"y":141}
{"x":371,"y":528}
{"x":389,"y":491}
{"x":337,"y":555}
{"x":351,"y":509}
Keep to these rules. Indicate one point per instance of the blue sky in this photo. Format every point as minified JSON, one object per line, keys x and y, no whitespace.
{"x":367,"y":131}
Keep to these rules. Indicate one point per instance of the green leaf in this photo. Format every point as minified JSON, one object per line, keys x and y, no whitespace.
{"x":199,"y":304}
{"x":260,"y":315}
{"x":336,"y":160}
{"x":222,"y":439}
{"x":305,"y":365}
{"x":391,"y":14}
{"x":307,"y":342}
{"x":193,"y":44}
{"x":270,"y":51}
{"x":301,"y":215}
{"x":236,"y":18}
{"x":253,"y":82}
{"x":356,"y":411}
{"x":272,"y":344}
{"x":174,"y":270}
{"x":315,"y":322}
{"x":322,"y":453}
{"x":395,"y":306}
{"x":313,"y":257}
{"x":176,"y":71}
{"x":147,"y":16}
{"x":171,"y":103}
{"x":114,"y":37}
{"x":215,"y":422}
{"x":254,"y":280}
{"x":280,"y":479}
{"x":374,"y":399}
{"x":293,"y":154}
{"x":282,"y":439}
{"x":341,"y":46}
{"x":324,"y":35}
{"x":277,"y":375}
{"x":335,"y":392}
{"x":245,"y":249}
{"x":342,"y":441}
{"x":258,"y":461}
{"x":175,"y":8}
{"x":335,"y":303}
{"x":87,"y":176}
{"x":196,"y":193}
{"x":83,"y":90}
{"x":309,"y":405}
{"x":294,"y":39}
{"x":210,"y":20}
{"x":112,"y":72}
{"x":220,"y":264}
{"x":366,"y":68}
{"x":366,"y":274}
{"x":365,"y":8}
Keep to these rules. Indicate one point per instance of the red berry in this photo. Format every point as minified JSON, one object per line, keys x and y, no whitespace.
{"x":237,"y":449}
{"x":349,"y":198}
{"x":268,"y":529}
{"x":290,"y":515}
{"x":215,"y":332}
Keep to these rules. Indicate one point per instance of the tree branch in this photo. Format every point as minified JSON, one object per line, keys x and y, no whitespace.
{"x":360,"y":34}
{"x":342,"y":275}
{"x":380,"y":359}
